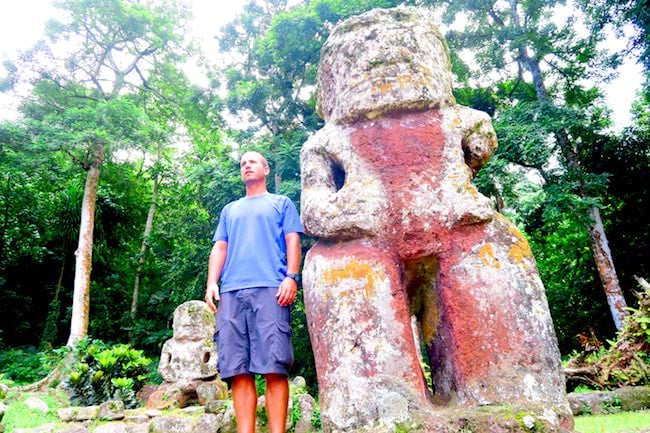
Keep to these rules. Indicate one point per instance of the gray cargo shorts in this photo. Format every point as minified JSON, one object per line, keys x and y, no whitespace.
{"x":253,"y":333}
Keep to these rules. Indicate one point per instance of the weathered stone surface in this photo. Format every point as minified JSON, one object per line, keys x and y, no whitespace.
{"x":75,"y":429}
{"x":601,"y":402}
{"x":217,"y":406}
{"x":111,"y":427}
{"x":193,"y":409}
{"x":78,"y":413}
{"x":136,"y":419}
{"x":229,"y":421}
{"x":167,"y":424}
{"x":213,"y":390}
{"x":145,"y":392}
{"x":306,"y":405}
{"x":111,"y":410}
{"x":137,"y":428}
{"x":387,"y":188}
{"x":598,"y":402}
{"x":634,"y":397}
{"x":4,"y":390}
{"x":299,"y":382}
{"x":164,"y":398}
{"x":208,"y":423}
{"x":36,"y":403}
{"x":3,"y":409}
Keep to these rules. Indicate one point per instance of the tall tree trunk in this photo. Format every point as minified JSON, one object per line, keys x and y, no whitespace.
{"x":606,"y":270}
{"x":143,"y":248}
{"x":84,"y":253}
{"x":599,"y":244}
{"x":5,"y":218}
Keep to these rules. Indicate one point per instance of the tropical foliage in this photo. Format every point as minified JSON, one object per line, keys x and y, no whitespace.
{"x":101,"y":373}
{"x":116,"y":145}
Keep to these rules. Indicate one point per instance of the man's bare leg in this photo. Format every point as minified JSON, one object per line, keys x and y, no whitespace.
{"x":244,"y":396}
{"x":277,"y":401}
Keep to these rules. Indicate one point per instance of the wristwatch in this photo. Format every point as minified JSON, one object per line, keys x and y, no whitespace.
{"x":295,"y":277}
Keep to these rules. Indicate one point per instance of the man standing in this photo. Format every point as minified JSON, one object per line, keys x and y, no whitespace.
{"x":257,"y":255}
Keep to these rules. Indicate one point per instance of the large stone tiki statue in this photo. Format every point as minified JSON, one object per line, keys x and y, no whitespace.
{"x":386,"y":188}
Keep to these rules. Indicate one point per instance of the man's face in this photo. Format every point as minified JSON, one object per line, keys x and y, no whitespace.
{"x":253,"y":167}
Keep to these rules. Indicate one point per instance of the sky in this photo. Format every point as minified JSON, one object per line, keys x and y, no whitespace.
{"x":22,"y":23}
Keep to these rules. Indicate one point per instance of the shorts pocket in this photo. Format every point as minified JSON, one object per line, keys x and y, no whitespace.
{"x":281,"y":348}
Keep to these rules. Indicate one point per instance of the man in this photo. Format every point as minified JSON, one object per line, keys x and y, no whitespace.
{"x":257,"y":255}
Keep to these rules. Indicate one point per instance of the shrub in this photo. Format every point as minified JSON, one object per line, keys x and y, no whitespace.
{"x":623,"y":362}
{"x":102,"y":373}
{"x":22,"y":365}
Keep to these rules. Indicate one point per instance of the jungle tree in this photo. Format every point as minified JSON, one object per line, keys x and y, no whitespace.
{"x":87,"y":75}
{"x":547,"y":116}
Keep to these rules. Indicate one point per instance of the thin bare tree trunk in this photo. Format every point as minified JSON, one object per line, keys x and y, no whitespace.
{"x":277,"y":180}
{"x":143,"y":248}
{"x":83,"y":263}
{"x":599,"y":244}
{"x":606,"y":269}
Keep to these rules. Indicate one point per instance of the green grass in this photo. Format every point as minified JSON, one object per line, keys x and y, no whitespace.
{"x":613,"y":423}
{"x":19,"y":415}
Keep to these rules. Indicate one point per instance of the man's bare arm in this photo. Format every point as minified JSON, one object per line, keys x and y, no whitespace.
{"x":289,"y":287}
{"x":215,"y":266}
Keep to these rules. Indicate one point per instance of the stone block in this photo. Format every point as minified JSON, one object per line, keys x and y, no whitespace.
{"x":213,"y":390}
{"x":208,"y":423}
{"x":169,"y":424}
{"x":111,"y":410}
{"x":217,"y":406}
{"x":306,"y":405}
{"x":78,"y":413}
{"x":137,"y":428}
{"x":633,"y":397}
{"x":111,"y":427}
{"x":36,"y":403}
{"x":75,"y":429}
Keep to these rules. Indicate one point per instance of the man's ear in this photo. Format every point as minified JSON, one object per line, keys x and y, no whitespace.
{"x":267,"y":170}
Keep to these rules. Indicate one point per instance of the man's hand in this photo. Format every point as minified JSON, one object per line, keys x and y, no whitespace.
{"x":287,"y":292}
{"x":211,"y":295}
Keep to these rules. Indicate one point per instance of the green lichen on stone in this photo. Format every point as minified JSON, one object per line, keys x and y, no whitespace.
{"x":407,"y":427}
{"x":537,"y":427}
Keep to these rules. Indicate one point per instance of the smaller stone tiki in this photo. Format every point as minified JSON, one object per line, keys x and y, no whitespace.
{"x":188,"y":361}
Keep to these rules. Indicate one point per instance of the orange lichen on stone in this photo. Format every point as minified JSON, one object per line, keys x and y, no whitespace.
{"x":520,"y":250}
{"x":355,"y":270}
{"x":383,"y":88}
{"x":471,"y":189}
{"x":487,"y":256}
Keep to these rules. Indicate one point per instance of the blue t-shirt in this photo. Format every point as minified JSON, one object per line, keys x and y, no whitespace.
{"x":254,"y":228}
